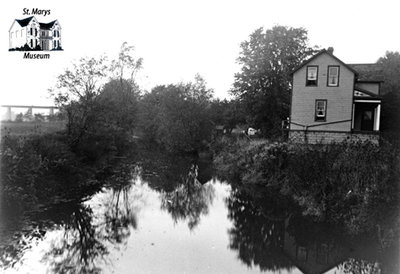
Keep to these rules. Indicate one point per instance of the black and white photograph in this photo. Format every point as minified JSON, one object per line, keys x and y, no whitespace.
{"x":200,"y":137}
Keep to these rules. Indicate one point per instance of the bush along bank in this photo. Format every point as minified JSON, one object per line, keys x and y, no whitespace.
{"x":345,"y":183}
{"x":37,"y":170}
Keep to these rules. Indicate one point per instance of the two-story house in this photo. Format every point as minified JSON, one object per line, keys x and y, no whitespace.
{"x":333,"y":101}
{"x":34,"y":34}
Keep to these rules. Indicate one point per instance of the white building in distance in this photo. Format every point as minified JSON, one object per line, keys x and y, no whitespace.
{"x":30,"y":34}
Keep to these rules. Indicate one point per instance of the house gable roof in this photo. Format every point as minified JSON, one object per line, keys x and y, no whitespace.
{"x":24,"y":22}
{"x":47,"y":26}
{"x":324,"y":51}
{"x":368,"y":72}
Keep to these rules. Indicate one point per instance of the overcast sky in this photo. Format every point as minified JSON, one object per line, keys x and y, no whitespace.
{"x":178,"y":39}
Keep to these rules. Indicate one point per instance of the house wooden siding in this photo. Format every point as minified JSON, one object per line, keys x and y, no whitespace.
{"x":339,"y":99}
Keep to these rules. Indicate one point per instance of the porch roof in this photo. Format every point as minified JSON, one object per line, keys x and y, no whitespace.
{"x":360,"y":93}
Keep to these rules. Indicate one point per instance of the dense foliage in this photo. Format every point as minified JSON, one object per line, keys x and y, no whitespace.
{"x":390,"y":120}
{"x":228,"y":114}
{"x":264,"y":83}
{"x":177,"y":117}
{"x":350,"y":183}
{"x":100,"y":102}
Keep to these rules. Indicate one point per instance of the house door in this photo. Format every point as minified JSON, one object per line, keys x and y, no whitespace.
{"x":367,"y":120}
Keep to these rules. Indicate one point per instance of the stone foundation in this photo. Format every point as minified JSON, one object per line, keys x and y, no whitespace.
{"x":326,"y":137}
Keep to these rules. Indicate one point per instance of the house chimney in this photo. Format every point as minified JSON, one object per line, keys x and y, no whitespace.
{"x":330,"y":50}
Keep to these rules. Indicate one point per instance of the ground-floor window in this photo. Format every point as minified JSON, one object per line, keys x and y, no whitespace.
{"x":320,"y":110}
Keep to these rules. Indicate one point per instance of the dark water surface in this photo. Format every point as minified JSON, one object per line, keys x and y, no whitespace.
{"x":174,"y":216}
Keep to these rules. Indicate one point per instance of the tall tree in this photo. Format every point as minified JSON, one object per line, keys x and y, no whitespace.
{"x":263,"y":85}
{"x":390,"y":64}
{"x":99,"y":97}
{"x":391,"y":71}
{"x":176,"y":116}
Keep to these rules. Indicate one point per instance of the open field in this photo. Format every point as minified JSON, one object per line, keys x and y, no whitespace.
{"x":25,"y":128}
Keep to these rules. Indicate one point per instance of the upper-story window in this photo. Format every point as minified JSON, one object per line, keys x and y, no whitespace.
{"x":333,"y":76}
{"x":312,"y":76}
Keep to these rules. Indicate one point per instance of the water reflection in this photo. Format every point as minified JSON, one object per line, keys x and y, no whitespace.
{"x":79,"y":247}
{"x":271,"y":234}
{"x":258,"y":231}
{"x":189,"y":200}
{"x":119,"y":215}
{"x":77,"y":236}
{"x":149,"y":211}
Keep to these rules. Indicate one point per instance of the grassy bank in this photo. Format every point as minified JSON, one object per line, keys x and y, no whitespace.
{"x":346,"y":183}
{"x":27,"y":128}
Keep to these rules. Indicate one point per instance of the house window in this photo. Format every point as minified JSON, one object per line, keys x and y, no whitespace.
{"x":35,"y":32}
{"x":320,"y":110}
{"x":55,"y":44}
{"x":312,"y":76}
{"x":333,"y":76}
{"x":31,"y":31}
{"x":31,"y":43}
{"x":322,"y":253}
{"x":302,"y":253}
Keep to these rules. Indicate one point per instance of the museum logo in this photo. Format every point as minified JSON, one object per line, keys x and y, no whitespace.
{"x":29,"y":35}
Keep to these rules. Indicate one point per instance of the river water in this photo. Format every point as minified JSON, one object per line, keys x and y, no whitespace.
{"x":177,"y":217}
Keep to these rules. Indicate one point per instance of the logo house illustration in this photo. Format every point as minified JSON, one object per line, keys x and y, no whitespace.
{"x":30,"y":35}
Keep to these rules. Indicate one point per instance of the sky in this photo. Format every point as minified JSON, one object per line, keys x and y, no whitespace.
{"x":178,"y":39}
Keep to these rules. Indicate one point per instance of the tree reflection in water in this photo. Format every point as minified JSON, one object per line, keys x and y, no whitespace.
{"x":189,"y":200}
{"x":270,"y":233}
{"x":78,"y":234}
{"x":258,"y":231}
{"x":87,"y":237}
{"x":119,"y":216}
{"x":79,"y":247}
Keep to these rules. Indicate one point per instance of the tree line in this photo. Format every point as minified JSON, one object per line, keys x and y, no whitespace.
{"x":102,"y":98}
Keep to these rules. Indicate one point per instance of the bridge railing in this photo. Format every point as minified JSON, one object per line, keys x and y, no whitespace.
{"x":8,"y":116}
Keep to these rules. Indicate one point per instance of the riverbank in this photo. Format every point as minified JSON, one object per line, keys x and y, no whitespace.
{"x":347,"y":183}
{"x":148,"y":196}
{"x":41,"y":169}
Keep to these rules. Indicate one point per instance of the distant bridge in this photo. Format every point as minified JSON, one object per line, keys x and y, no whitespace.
{"x":30,"y":109}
